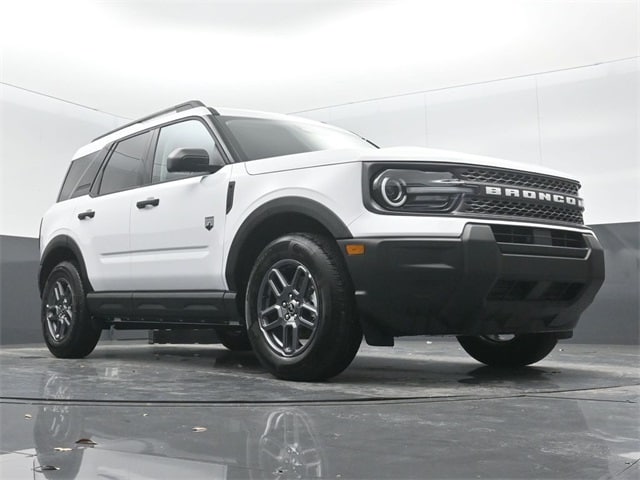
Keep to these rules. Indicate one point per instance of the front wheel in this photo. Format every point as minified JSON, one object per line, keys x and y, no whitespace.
{"x":509,"y":350}
{"x":68,"y":328}
{"x":300,"y":310}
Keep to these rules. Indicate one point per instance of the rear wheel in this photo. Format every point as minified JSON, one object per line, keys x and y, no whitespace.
{"x":509,"y":350}
{"x":300,"y":311}
{"x":68,"y":328}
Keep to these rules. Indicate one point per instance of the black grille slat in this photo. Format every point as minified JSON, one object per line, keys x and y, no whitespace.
{"x":505,"y":208}
{"x":562,"y":238}
{"x":537,"y":236}
{"x":510,"y":234}
{"x":519,"y":179}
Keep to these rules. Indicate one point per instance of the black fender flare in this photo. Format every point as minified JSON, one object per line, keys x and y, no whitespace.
{"x":67,"y":243}
{"x":292,"y":204}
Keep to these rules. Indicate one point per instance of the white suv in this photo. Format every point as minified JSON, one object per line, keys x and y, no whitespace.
{"x":293,"y":238}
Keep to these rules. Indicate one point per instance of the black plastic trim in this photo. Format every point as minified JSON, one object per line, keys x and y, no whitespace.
{"x":149,"y":202}
{"x":542,"y":250}
{"x":230,"y":191}
{"x":66,"y":242}
{"x":207,"y":306}
{"x":444,"y":286}
{"x":176,"y":108}
{"x":294,"y":205}
{"x":86,"y":214}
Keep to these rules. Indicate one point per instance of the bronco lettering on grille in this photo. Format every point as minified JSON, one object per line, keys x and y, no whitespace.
{"x":533,"y":195}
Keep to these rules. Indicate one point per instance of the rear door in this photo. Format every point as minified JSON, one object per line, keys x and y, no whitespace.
{"x":103,"y":219}
{"x":177,"y":222}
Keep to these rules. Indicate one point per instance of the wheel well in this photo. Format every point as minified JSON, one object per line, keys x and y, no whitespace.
{"x":53,"y":258}
{"x":261,"y":235}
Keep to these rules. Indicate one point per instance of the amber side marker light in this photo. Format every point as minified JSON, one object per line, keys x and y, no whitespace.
{"x":355,"y":249}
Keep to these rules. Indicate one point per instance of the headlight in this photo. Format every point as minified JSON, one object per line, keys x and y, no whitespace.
{"x":393,"y":191}
{"x":417,"y":190}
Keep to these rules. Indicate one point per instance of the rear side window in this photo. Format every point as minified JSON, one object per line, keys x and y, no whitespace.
{"x":80,"y":176}
{"x":125,"y":168}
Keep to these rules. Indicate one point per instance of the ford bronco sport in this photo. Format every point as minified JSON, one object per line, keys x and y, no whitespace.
{"x":294,"y":238}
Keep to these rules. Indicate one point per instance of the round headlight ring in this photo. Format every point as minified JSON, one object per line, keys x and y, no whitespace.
{"x":398,"y":193}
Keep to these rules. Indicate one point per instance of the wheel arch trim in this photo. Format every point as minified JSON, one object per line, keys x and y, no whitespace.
{"x":292,"y":205}
{"x":62,"y":242}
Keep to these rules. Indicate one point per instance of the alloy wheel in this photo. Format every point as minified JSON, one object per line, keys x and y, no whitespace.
{"x":59,"y":310}
{"x":288,"y":307}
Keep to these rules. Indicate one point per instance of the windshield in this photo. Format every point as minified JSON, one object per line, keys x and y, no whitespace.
{"x":256,"y":138}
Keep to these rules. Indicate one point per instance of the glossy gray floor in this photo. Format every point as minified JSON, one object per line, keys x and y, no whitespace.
{"x":419,"y":410}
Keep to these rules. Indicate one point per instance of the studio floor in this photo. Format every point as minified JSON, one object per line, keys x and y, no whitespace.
{"x":423,"y":409}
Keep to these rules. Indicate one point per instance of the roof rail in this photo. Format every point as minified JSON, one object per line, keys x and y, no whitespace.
{"x":176,"y":108}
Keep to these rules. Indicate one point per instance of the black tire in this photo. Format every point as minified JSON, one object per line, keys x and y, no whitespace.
{"x":318,"y":345}
{"x":518,"y":351}
{"x":68,"y":328}
{"x":235,"y":340}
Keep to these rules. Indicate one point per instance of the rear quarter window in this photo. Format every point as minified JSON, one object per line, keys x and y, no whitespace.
{"x":80,"y":176}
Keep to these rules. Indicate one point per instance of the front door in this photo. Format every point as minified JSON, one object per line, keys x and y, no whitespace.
{"x":177,"y":222}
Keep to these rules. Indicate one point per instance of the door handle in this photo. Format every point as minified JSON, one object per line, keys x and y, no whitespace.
{"x":151,"y":202}
{"x":87,"y":214}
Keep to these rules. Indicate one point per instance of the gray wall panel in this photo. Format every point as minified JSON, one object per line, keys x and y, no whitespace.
{"x":614,"y":315}
{"x":19,"y":298}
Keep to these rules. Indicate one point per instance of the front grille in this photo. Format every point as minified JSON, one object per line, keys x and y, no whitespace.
{"x":523,"y":180}
{"x":537,"y":236}
{"x":506,"y":208}
{"x":561,"y":238}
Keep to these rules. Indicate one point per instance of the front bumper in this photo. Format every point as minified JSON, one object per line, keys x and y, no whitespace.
{"x":472,"y":285}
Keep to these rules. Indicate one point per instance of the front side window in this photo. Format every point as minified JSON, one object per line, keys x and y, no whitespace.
{"x":126,"y":166}
{"x":188,"y":134}
{"x":257,"y":138}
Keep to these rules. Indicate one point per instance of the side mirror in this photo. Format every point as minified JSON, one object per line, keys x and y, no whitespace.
{"x":189,"y":160}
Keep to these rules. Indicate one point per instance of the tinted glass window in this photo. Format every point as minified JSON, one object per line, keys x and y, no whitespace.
{"x":81,"y":172}
{"x":86,"y":180}
{"x":126,"y":165}
{"x":189,"y":134}
{"x":261,"y":138}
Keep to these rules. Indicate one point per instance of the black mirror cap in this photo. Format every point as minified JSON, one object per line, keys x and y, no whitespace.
{"x":189,"y":160}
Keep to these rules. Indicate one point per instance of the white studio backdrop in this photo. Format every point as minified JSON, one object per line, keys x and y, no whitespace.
{"x":38,"y":137}
{"x":583,"y":121}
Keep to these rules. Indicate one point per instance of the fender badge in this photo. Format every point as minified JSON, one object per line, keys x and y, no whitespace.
{"x":208,"y":223}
